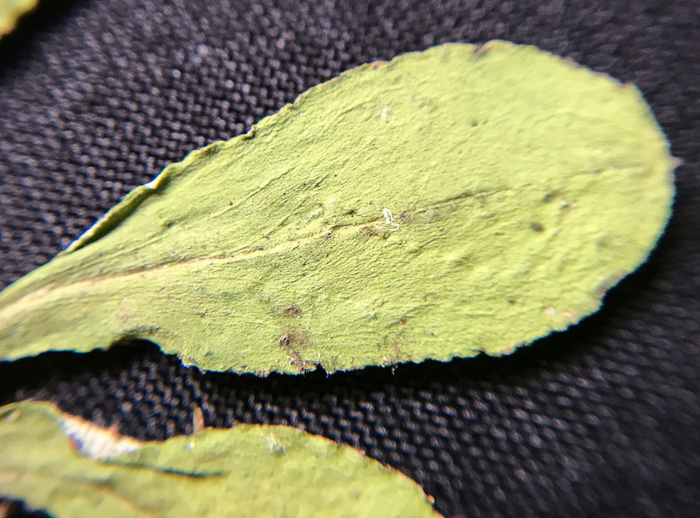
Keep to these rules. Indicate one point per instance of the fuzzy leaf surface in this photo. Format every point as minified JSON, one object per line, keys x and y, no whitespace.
{"x":449,"y":202}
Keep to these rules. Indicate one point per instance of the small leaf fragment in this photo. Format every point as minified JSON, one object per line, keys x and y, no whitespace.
{"x":246,"y":471}
{"x":454,"y":201}
{"x":11,"y":11}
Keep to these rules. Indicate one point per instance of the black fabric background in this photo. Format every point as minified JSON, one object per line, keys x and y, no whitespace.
{"x":97,"y":97}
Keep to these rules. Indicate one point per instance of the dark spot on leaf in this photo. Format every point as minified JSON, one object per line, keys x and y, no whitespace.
{"x":537,"y":227}
{"x":548,"y":197}
{"x":291,"y":312}
{"x":511,"y":301}
{"x":290,"y":341}
{"x":374,"y":231}
{"x":397,"y":354}
{"x":294,"y":338}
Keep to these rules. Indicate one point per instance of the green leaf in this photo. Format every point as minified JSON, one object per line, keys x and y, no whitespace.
{"x":11,"y":11}
{"x":246,"y":471}
{"x":453,"y":201}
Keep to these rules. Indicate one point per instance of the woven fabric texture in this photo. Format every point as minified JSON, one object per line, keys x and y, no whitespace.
{"x":96,"y":97}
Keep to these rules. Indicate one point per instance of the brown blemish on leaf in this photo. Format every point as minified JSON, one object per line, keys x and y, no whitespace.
{"x":374,"y":232}
{"x":291,"y":312}
{"x":394,"y":352}
{"x":295,"y":337}
{"x":399,"y":354}
{"x":548,"y":197}
{"x":400,"y":322}
{"x":537,"y":227}
{"x":378,"y":64}
{"x":290,"y":342}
